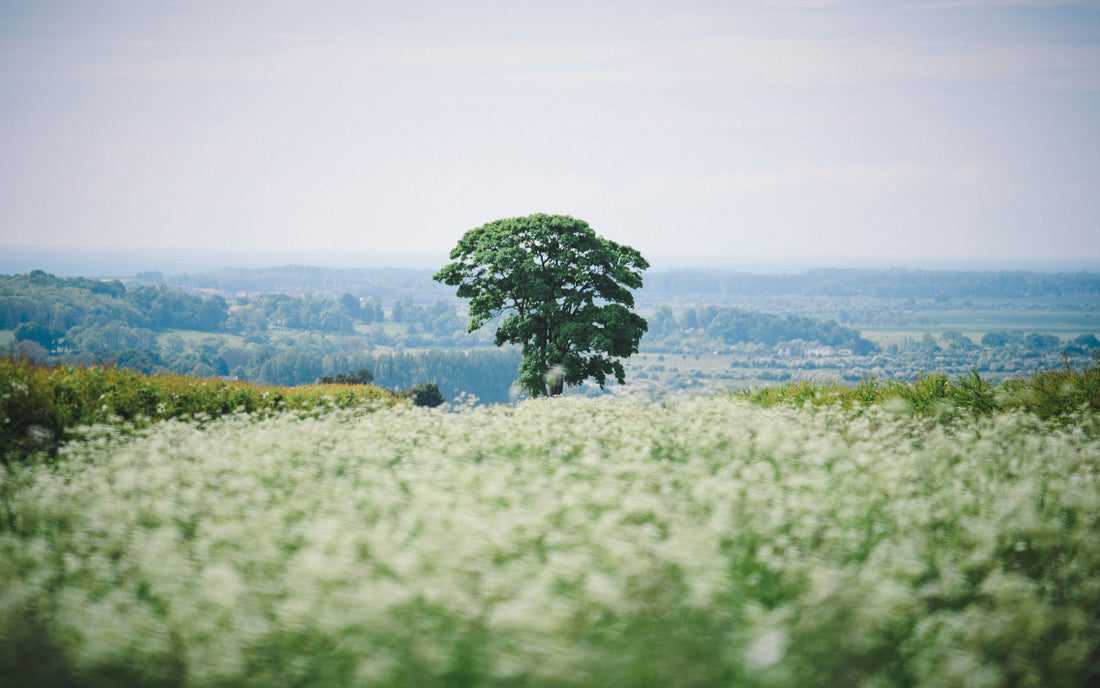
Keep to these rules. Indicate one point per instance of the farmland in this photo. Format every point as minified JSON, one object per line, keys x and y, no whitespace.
{"x":707,"y":331}
{"x":565,"y":542}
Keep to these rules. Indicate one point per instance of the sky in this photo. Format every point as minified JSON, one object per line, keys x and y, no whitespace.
{"x":697,"y":131}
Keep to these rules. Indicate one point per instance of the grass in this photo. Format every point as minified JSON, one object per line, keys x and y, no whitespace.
{"x":193,"y":338}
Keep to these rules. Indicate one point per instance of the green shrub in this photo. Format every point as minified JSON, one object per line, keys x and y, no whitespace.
{"x":425,"y":394}
{"x":1056,"y":393}
{"x":1050,"y":395}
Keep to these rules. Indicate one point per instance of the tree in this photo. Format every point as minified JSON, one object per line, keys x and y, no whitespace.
{"x":1039,"y":342}
{"x":562,"y":292}
{"x":39,"y":334}
{"x":350,"y":304}
{"x":363,"y":376}
{"x":211,"y":314}
{"x":994,"y":339}
{"x":425,"y":394}
{"x":1087,"y":342}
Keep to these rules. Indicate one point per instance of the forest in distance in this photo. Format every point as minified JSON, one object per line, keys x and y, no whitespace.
{"x":708,"y":329}
{"x":699,"y":285}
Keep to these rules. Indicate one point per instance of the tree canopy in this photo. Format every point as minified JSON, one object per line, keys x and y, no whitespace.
{"x":559,"y":290}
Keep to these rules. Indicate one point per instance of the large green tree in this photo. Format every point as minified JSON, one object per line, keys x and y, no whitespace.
{"x":559,"y":290}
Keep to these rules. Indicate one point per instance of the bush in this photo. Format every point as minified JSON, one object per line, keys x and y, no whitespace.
{"x":1050,"y":395}
{"x":1056,"y":393}
{"x":425,"y":394}
{"x":363,"y":376}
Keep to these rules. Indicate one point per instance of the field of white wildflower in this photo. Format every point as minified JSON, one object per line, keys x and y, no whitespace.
{"x":562,"y":542}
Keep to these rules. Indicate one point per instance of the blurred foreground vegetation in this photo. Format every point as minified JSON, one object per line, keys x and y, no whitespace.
{"x":563,"y":542}
{"x":939,"y":533}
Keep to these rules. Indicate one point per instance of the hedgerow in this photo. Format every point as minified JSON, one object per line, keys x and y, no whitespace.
{"x":40,"y":405}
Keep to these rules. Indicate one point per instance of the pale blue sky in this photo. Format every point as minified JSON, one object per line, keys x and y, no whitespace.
{"x":810,"y":130}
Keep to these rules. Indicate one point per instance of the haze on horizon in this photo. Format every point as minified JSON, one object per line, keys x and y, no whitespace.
{"x":791,"y":130}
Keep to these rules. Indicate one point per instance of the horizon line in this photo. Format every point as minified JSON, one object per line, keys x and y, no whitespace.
{"x":127,"y":262}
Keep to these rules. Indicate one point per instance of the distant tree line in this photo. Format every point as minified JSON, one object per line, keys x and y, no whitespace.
{"x":1021,"y":341}
{"x":386,"y":284}
{"x":684,"y":285}
{"x":78,"y":314}
{"x":294,"y":340}
{"x":88,"y":314}
{"x":694,"y":285}
{"x":287,"y":340}
{"x":256,"y":314}
{"x":728,"y":325}
{"x":487,"y":374}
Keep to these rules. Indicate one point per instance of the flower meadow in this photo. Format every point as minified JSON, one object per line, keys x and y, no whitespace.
{"x":560,"y":542}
